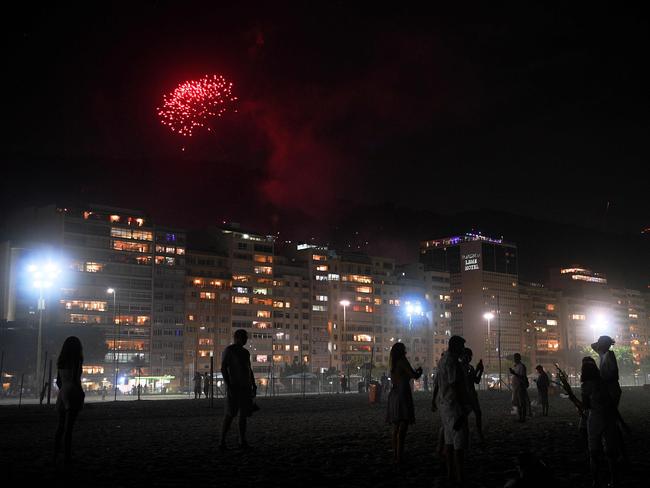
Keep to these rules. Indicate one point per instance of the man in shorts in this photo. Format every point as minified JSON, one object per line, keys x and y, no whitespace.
{"x":452,"y":400}
{"x":240,"y":387}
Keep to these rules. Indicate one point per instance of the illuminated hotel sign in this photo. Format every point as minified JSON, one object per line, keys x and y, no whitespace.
{"x":470,"y":261}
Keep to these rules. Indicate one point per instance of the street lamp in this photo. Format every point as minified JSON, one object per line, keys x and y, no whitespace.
{"x":113,"y":291}
{"x":488,"y":316}
{"x":345,"y":304}
{"x":411,"y":309}
{"x":43,"y":276}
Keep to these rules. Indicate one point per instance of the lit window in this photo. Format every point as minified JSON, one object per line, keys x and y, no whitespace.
{"x":190,"y":318}
{"x":85,"y":305}
{"x":260,"y":258}
{"x":321,"y":278}
{"x":296,"y":348}
{"x":550,"y":307}
{"x":207,"y":295}
{"x":241,"y":300}
{"x":263,"y":270}
{"x":94,"y":267}
{"x":115,"y":218}
{"x":362,"y":308}
{"x":578,"y":316}
{"x":358,"y":279}
{"x":142,"y":235}
{"x":321,"y":298}
{"x":241,"y":289}
{"x":130,"y":246}
{"x":319,"y":308}
{"x":364,"y":289}
{"x":278,"y":304}
{"x":551,"y":322}
{"x":261,"y":358}
{"x":322,"y":267}
{"x":264,"y":314}
{"x":260,"y":291}
{"x":333,"y":277}
{"x":318,"y":257}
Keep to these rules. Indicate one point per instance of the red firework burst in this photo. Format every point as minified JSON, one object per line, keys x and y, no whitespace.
{"x":193,"y":103}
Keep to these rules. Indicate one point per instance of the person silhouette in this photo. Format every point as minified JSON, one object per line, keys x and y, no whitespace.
{"x":197,"y":385}
{"x":240,"y":386}
{"x":400,"y":411}
{"x":71,"y":395}
{"x":473,"y":377}
{"x":206,"y":385}
{"x":542,"y":382}
{"x":520,"y":387}
{"x":451,"y":398}
{"x":602,"y":431}
{"x":384,"y":383}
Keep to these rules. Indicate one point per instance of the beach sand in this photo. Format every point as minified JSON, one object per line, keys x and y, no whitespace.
{"x":327,"y":440}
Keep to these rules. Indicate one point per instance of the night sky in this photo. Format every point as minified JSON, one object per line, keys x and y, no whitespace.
{"x":399,"y":124}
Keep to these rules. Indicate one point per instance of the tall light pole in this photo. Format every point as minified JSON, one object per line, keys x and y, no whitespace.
{"x":113,"y":291}
{"x":345,"y":304}
{"x":43,"y":276}
{"x":488,"y":316}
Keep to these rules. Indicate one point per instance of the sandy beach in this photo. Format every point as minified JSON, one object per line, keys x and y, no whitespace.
{"x":334,"y":440}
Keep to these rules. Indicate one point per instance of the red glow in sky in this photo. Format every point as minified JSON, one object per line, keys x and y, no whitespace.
{"x":194,"y":103}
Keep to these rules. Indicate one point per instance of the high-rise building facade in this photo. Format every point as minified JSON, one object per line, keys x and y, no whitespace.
{"x":483,"y":280}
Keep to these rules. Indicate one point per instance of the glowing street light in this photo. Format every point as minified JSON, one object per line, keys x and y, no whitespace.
{"x":113,"y":291}
{"x":43,"y":276}
{"x":411,"y":309}
{"x":600,"y":324}
{"x":488,"y":316}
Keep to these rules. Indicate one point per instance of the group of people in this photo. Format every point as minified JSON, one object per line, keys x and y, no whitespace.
{"x":202,"y":384}
{"x":454,"y":397}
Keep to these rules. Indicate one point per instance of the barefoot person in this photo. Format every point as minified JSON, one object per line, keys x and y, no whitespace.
{"x":240,"y":386}
{"x":473,"y":377}
{"x":71,"y":395}
{"x":452,"y":400}
{"x":400,"y":410}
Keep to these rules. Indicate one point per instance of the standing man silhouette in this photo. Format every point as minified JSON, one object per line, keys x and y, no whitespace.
{"x":240,"y":387}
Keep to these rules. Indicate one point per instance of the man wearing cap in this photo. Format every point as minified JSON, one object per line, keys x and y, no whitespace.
{"x":608,"y":366}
